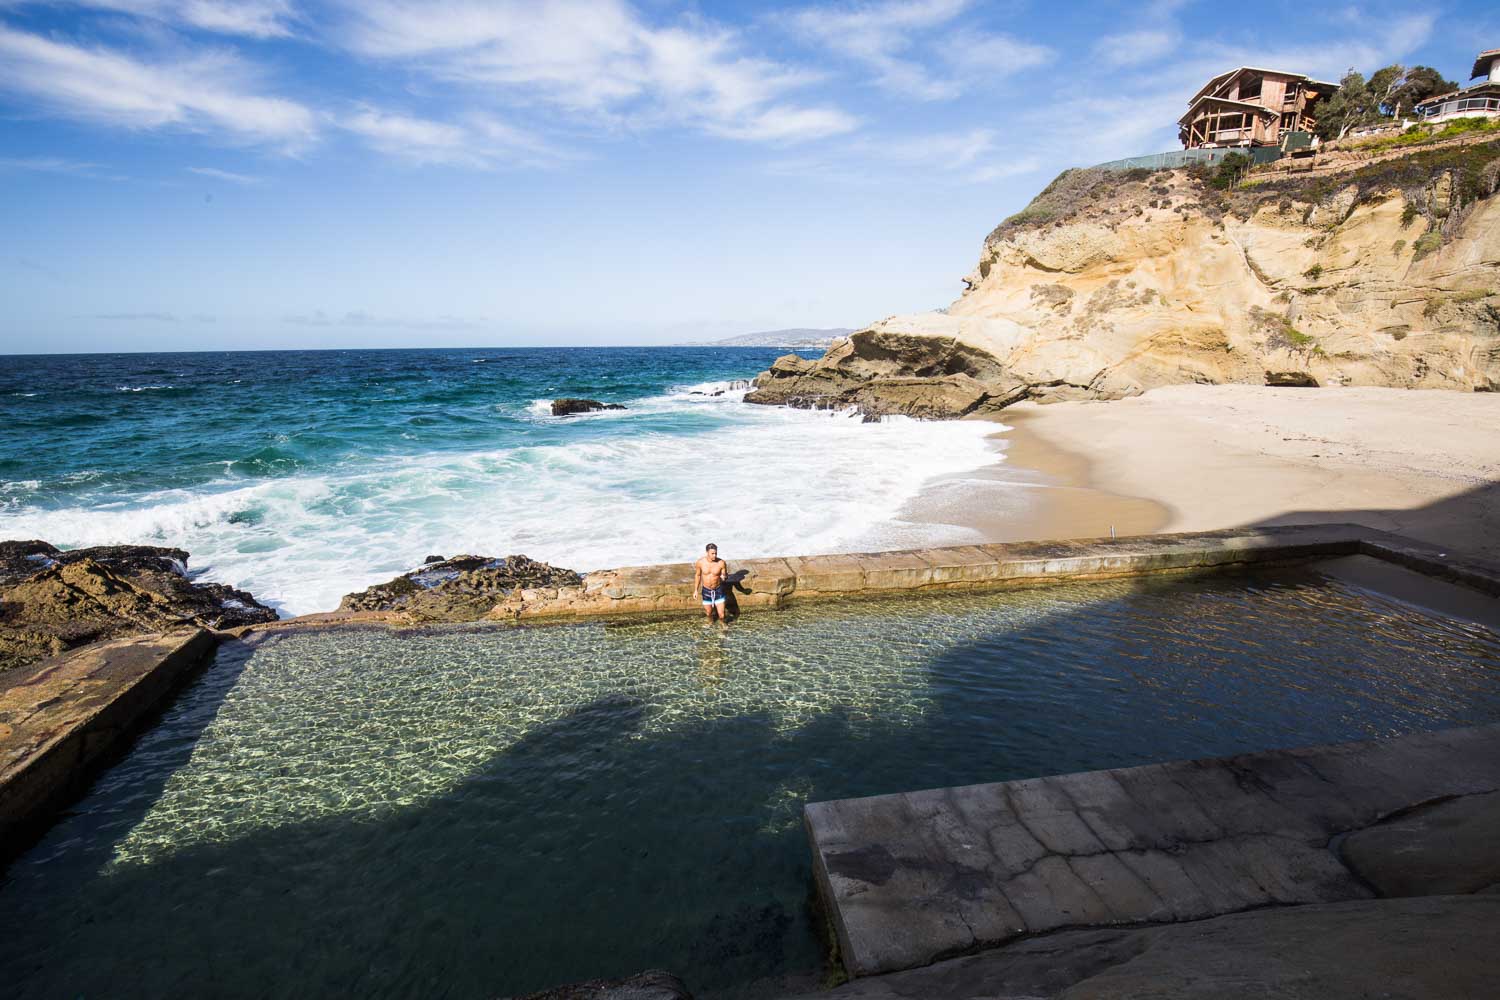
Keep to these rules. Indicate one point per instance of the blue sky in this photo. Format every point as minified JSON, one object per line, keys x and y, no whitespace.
{"x":209,"y":174}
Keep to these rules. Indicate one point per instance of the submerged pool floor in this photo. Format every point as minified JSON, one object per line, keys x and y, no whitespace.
{"x":473,"y":813}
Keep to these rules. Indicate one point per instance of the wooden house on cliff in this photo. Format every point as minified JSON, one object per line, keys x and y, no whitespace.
{"x":1251,"y":107}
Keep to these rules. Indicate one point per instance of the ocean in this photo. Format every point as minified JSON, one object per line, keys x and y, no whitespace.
{"x":304,"y":475}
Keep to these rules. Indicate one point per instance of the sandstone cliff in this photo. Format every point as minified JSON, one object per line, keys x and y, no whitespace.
{"x":1109,"y":284}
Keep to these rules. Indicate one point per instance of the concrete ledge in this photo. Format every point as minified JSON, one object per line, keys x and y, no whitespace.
{"x":776,"y":582}
{"x":63,"y":718}
{"x":912,"y":878}
{"x":1432,"y":561}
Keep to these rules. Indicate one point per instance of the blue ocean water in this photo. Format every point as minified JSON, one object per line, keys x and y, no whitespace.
{"x":303,"y":475}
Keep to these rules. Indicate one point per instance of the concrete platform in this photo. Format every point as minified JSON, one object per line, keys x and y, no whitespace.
{"x":63,"y":718}
{"x":913,"y":878}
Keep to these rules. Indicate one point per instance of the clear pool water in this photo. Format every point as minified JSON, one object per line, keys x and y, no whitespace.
{"x":472,"y":813}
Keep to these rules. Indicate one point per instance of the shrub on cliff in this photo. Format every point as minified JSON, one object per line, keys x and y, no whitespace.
{"x":1069,"y":192}
{"x":1229,"y":170}
{"x":1473,"y":169}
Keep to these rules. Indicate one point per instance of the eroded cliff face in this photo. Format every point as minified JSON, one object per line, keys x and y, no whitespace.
{"x":1159,"y":280}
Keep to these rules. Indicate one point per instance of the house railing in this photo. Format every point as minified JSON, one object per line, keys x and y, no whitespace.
{"x":1459,"y":106}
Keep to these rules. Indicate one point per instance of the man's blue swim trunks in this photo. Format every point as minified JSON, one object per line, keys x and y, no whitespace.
{"x":713,"y":595}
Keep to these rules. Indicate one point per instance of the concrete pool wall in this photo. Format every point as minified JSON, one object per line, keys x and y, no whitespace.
{"x":775,"y":582}
{"x":68,"y":716}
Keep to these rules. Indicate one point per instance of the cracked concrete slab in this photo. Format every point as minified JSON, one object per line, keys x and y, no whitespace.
{"x":912,"y":878}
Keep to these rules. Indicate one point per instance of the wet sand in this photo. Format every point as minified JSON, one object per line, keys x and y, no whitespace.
{"x":1191,"y":458}
{"x":1036,"y":489}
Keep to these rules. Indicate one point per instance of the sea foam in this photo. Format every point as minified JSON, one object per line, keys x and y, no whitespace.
{"x":677,"y":470}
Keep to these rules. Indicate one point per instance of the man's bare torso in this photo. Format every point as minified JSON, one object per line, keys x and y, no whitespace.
{"x":711,"y":571}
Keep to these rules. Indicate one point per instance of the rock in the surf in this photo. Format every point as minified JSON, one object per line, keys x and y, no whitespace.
{"x":568,"y":406}
{"x":464,"y":588}
{"x":52,"y":600}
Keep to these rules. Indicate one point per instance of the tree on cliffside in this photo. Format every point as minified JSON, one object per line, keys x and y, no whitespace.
{"x":1418,"y":84}
{"x":1351,"y":105}
{"x":1390,"y":92}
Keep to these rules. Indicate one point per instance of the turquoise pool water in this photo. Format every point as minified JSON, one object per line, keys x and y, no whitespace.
{"x":472,"y":813}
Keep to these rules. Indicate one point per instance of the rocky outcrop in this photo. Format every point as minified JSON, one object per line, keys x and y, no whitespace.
{"x":1110,"y":284}
{"x":880,"y":373}
{"x":461,"y":589}
{"x":53,"y":600}
{"x":568,"y":407}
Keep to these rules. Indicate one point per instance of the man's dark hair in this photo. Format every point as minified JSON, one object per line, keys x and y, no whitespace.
{"x":710,"y":545}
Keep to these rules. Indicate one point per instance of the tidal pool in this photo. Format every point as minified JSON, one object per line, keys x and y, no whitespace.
{"x":476,"y":812}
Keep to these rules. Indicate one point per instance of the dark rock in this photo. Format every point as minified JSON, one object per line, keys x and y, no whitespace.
{"x":432,"y":559}
{"x":1449,"y":848}
{"x":20,"y":559}
{"x":464,"y":588}
{"x":565,"y":407}
{"x":53,"y":600}
{"x":1295,"y":379}
{"x":653,"y":985}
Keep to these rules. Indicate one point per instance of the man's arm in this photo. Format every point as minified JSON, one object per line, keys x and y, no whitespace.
{"x":697,"y":578}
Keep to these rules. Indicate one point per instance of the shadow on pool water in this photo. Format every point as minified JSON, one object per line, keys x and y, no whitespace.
{"x":655,"y":820}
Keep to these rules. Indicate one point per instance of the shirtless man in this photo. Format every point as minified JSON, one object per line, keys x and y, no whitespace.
{"x":710,"y":581}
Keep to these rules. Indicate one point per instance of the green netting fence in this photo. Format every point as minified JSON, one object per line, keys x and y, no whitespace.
{"x":1185,"y":157}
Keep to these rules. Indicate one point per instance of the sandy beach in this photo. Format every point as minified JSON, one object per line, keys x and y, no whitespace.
{"x":1186,"y":458}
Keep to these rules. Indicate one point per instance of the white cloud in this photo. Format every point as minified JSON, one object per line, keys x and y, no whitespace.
{"x":210,"y":92}
{"x":942,"y":150}
{"x":784,"y":123}
{"x":137,"y":317}
{"x":252,"y":18}
{"x":475,"y":141}
{"x":1132,"y":48}
{"x":257,"y":18}
{"x":598,"y":60}
{"x":1009,"y":168}
{"x":223,"y":175}
{"x":969,"y":156}
{"x":895,"y":40}
{"x":1154,"y":34}
{"x":363,"y":318}
{"x":49,"y":165}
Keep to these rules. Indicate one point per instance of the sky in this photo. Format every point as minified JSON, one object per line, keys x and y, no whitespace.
{"x":253,"y":174}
